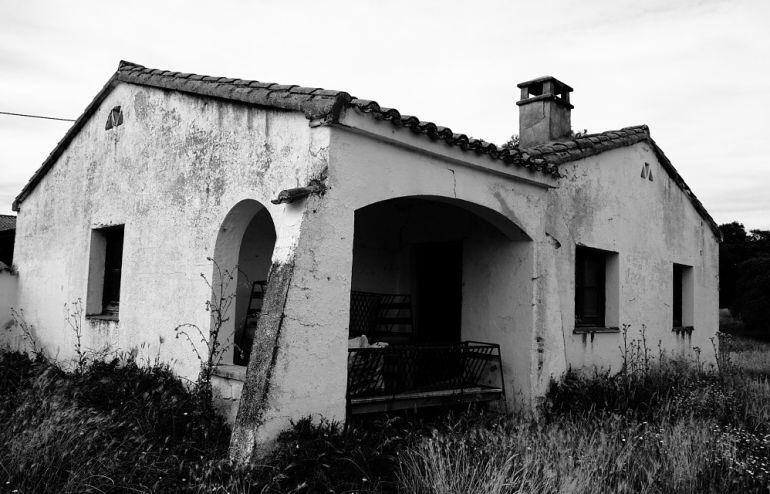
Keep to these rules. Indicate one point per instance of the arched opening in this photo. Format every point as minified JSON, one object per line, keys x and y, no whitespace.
{"x":242,"y":260}
{"x":440,"y":287}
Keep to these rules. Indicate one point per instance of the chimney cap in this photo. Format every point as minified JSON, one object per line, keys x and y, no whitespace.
{"x":540,"y":80}
{"x":545,"y":88}
{"x":544,"y":111}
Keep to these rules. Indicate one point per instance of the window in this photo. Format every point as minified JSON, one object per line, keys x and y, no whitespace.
{"x":682,"y":297}
{"x":678,"y":270}
{"x":590,"y":290}
{"x":105,"y":265}
{"x":597,"y":290}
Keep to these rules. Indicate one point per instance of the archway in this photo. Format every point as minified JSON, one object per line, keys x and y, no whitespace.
{"x":437,"y":281}
{"x":241,"y":265}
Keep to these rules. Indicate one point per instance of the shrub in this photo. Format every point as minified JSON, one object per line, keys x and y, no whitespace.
{"x":113,"y":426}
{"x":753,"y":303}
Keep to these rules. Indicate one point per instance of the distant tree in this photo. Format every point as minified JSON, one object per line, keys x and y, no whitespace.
{"x":760,"y":239}
{"x":752,"y":301}
{"x":733,"y":233}
{"x":732,"y":251}
{"x":737,"y":247}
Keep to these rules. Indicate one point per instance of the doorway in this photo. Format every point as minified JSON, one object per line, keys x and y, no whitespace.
{"x":438,"y":268}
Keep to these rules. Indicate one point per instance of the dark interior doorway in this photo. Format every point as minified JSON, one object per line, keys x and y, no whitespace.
{"x":438,"y":291}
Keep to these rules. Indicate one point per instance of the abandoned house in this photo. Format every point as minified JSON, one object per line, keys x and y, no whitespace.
{"x":378,"y":261}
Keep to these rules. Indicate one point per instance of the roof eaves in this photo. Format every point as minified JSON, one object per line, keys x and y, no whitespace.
{"x":677,"y":178}
{"x":313,"y":102}
{"x":464,"y":142}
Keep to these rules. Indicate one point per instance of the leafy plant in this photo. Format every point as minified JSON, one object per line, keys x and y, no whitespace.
{"x":27,"y":331}
{"x":219,"y":305}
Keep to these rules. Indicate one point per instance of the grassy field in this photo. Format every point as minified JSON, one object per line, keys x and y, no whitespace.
{"x":665,"y":427}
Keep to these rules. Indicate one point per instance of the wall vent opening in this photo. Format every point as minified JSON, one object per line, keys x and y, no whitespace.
{"x":114,"y":119}
{"x":647,"y":172}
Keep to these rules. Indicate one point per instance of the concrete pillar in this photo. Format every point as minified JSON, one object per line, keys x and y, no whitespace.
{"x":549,"y":359}
{"x":298,"y":364}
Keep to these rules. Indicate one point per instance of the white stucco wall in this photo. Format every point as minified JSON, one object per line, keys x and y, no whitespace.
{"x":170,"y":173}
{"x":603,"y":202}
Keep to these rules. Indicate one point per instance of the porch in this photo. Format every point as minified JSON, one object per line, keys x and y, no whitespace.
{"x":438,"y":290}
{"x":434,"y":290}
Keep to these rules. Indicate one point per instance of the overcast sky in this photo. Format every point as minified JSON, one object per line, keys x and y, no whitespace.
{"x":696,"y":71}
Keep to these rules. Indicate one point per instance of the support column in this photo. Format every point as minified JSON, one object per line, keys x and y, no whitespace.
{"x":298,"y":363}
{"x":549,"y":359}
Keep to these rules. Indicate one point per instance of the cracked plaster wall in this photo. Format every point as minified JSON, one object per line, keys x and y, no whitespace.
{"x":170,"y":173}
{"x":604,"y":203}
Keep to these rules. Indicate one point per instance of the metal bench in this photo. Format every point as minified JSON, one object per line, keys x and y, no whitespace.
{"x":413,"y":376}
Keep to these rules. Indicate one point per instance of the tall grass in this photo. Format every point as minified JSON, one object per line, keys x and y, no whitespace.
{"x":591,"y":454}
{"x":668,"y":427}
{"x":110,"y":426}
{"x":661,"y":426}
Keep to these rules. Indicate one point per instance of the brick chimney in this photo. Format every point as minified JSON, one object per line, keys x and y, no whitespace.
{"x":544,"y":111}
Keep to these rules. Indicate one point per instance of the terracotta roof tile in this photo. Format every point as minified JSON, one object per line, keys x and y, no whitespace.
{"x":316,"y":102}
{"x":7,"y":222}
{"x":325,"y":103}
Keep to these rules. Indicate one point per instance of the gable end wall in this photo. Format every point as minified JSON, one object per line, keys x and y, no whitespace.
{"x":603,"y":202}
{"x":170,"y":173}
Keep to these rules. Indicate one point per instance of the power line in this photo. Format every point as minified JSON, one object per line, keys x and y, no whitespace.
{"x":36,"y":116}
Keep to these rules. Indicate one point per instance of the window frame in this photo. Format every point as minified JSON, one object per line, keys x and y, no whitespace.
{"x":583,"y":256}
{"x":677,"y":300}
{"x":105,"y":276}
{"x":682,"y":298}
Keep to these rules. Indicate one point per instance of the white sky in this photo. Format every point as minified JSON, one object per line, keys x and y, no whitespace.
{"x":696,"y":71}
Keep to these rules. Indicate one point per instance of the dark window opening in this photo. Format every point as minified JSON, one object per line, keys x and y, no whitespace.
{"x":589,"y":287}
{"x":113,"y":260}
{"x":678,"y":289}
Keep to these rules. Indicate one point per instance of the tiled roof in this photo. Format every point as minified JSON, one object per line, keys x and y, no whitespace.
{"x":315,"y":103}
{"x":328,"y":104}
{"x":7,"y":222}
{"x":556,"y":153}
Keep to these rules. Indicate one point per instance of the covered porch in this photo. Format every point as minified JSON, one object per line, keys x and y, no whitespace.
{"x":438,"y":290}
